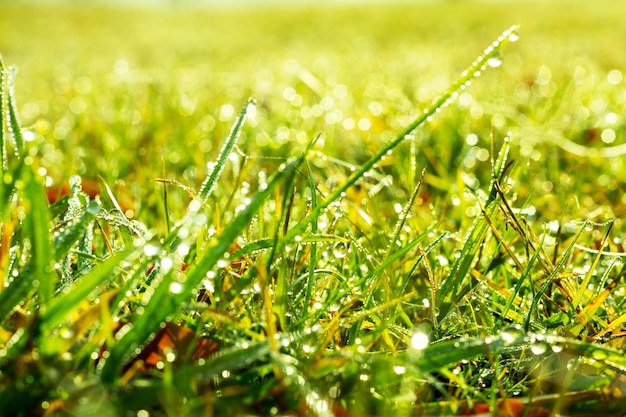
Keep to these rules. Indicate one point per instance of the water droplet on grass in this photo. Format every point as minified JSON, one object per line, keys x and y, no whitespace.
{"x":176,"y":287}
{"x":494,"y":61}
{"x":420,"y":340}
{"x":400,"y":370}
{"x":340,"y":250}
{"x":539,"y":347}
{"x":511,"y":334}
{"x":151,"y":249}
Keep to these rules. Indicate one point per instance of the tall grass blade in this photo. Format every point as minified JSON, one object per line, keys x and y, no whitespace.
{"x":313,"y":255}
{"x":473,"y":71}
{"x":210,"y":182}
{"x":14,"y":124}
{"x":449,"y":290}
{"x":555,"y":272}
{"x":37,"y":229}
{"x":403,"y":216}
{"x":4,"y":163}
{"x":578,"y":296}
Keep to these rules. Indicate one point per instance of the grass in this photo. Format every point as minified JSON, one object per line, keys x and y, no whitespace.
{"x":378,"y":231}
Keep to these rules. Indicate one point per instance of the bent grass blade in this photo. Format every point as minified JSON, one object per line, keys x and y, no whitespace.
{"x":480,"y":64}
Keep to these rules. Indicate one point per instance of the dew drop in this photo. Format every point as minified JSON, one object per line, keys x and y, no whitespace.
{"x":539,"y":348}
{"x":557,"y":348}
{"x":67,"y":333}
{"x":511,"y":334}
{"x":420,"y":340}
{"x":340,"y":250}
{"x":151,"y":249}
{"x":170,"y":357}
{"x":494,"y":61}
{"x":399,"y":370}
{"x":176,"y":287}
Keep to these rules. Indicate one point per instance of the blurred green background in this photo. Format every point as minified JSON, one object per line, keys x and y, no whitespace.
{"x":112,"y":90}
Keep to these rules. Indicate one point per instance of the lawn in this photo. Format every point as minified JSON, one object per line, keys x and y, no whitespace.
{"x":408,"y":209}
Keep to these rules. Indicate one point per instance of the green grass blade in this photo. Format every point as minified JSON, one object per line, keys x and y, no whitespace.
{"x":578,"y":296}
{"x":72,"y":232}
{"x":165,"y":302}
{"x":449,"y":290}
{"x":232,"y":360}
{"x":520,"y":281}
{"x":37,"y":270}
{"x":555,"y":272}
{"x":65,"y":303}
{"x":470,"y":73}
{"x":14,"y":123}
{"x":211,"y":180}
{"x":37,"y":224}
{"x":313,"y":256}
{"x":4,"y":163}
{"x":403,"y":216}
{"x":17,"y":291}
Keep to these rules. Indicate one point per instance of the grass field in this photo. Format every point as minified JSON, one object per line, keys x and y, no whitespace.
{"x":377,"y":231}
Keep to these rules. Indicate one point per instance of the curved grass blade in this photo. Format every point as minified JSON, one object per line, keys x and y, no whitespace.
{"x":65,"y":303}
{"x":472,"y":72}
{"x":232,"y":360}
{"x":440,"y":355}
{"x":165,"y":302}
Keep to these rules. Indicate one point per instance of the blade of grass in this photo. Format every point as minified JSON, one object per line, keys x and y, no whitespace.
{"x":449,"y":290}
{"x":37,"y":223}
{"x":4,"y":163}
{"x":578,"y":296}
{"x":313,"y":255}
{"x":14,"y":124}
{"x":210,"y":182}
{"x":403,"y":215}
{"x":557,"y":268}
{"x":589,"y":312}
{"x":473,"y":71}
{"x":72,"y":232}
{"x":65,"y":303}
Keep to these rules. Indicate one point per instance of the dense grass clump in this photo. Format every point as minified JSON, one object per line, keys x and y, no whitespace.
{"x":419,"y":256}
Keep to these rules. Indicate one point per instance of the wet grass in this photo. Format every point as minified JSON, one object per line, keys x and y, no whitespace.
{"x":389,"y":226}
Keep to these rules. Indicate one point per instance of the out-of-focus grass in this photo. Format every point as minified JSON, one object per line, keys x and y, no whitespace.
{"x":496,"y":274}
{"x":145,"y":84}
